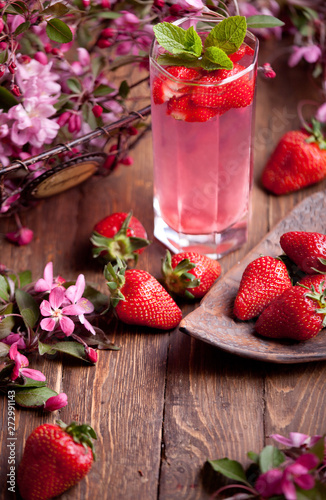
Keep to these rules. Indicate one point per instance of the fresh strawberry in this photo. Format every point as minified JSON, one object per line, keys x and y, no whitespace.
{"x":139,"y":299}
{"x":298,"y":160}
{"x":165,"y":88}
{"x":297,"y":314}
{"x":183,"y":108}
{"x":213,"y":93}
{"x":189,"y":274}
{"x":306,"y":249}
{"x":263,"y":279}
{"x":55,"y":458}
{"x":318,"y":281}
{"x":244,"y":50}
{"x":119,"y":235}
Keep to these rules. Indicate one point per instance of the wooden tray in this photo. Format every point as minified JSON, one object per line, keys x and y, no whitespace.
{"x":213,"y":321}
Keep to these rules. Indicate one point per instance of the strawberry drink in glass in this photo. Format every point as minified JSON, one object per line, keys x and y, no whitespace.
{"x":202,"y":106}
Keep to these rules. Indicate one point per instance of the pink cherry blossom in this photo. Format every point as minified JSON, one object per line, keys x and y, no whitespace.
{"x":296,"y":440}
{"x":22,"y":236}
{"x":55,"y":315}
{"x":20,"y":367}
{"x":47,"y":283}
{"x":311,"y":53}
{"x":56,"y":402}
{"x":74,"y":295}
{"x":37,"y":79}
{"x":15,"y":338}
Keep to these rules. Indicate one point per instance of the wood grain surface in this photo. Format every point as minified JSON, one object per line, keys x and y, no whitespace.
{"x":166,"y":402}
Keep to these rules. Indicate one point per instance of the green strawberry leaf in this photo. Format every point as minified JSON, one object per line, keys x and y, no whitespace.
{"x":193,"y":43}
{"x":263,"y":21}
{"x":170,"y":37}
{"x":229,"y":468}
{"x":218,"y":57}
{"x":228,"y":35}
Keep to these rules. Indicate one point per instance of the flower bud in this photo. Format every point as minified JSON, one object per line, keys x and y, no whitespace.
{"x":97,"y":110}
{"x":2,"y":24}
{"x":159,"y":3}
{"x":41,"y":57}
{"x":175,"y":10}
{"x":57,"y":52}
{"x":268,"y":71}
{"x":56,"y":402}
{"x":91,"y":354}
{"x":105,"y":4}
{"x":127,"y":161}
{"x":103,"y":43}
{"x":63,"y":119}
{"x":3,"y":45}
{"x":86,"y":3}
{"x":107,"y":33}
{"x":23,"y":236}
{"x":78,"y":123}
{"x":15,"y":90}
{"x":2,"y":5}
{"x":12,"y":67}
{"x":132,"y":130}
{"x":48,"y":48}
{"x":25,"y":59}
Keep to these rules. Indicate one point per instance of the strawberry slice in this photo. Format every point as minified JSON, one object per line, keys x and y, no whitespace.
{"x":183,"y":108}
{"x":244,"y":50}
{"x":164,"y":89}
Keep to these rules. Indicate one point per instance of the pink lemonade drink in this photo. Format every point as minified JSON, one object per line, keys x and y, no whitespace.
{"x":202,"y":124}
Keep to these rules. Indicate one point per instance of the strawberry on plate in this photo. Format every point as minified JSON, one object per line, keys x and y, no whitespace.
{"x":189,"y":274}
{"x":263,"y":279}
{"x":164,"y":88}
{"x":55,"y":458}
{"x":139,"y":299}
{"x":298,"y":160}
{"x":298,"y":314}
{"x":306,"y":249}
{"x":119,"y":235}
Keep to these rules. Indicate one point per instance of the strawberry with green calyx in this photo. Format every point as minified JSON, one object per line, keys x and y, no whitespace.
{"x":299,"y":313}
{"x":55,"y":458}
{"x":139,"y":299}
{"x":306,"y":249}
{"x":263,"y":279}
{"x":189,"y":274}
{"x":298,"y":161}
{"x":119,"y":235}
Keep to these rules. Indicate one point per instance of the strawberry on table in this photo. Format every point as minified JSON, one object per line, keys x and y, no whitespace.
{"x":139,"y":299}
{"x":263,"y":279}
{"x":189,"y":274}
{"x":298,"y":313}
{"x":55,"y":458}
{"x":298,"y":160}
{"x":119,"y":235}
{"x":306,"y":249}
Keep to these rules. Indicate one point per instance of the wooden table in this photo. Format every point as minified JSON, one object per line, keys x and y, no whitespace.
{"x":165,"y":402}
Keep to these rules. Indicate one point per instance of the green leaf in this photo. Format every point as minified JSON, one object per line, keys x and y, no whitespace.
{"x":74,"y":349}
{"x":98,"y":299}
{"x":229,"y":468}
{"x":25,"y":278}
{"x":22,"y":27}
{"x":33,"y":397}
{"x":228,"y":35}
{"x":108,"y":14}
{"x":57,"y":10}
{"x":58,"y":31}
{"x":4,"y":288}
{"x":124,"y":89}
{"x":16,"y":8}
{"x":193,"y":43}
{"x":253,"y":456}
{"x":4,"y":349}
{"x":187,"y":62}
{"x":29,"y":382}
{"x":319,"y":448}
{"x":28,"y":308}
{"x":7,"y":100}
{"x":263,"y":21}
{"x":74,"y":85}
{"x":218,"y":57}
{"x":270,"y":458}
{"x":102,"y":90}
{"x":170,"y":37}
{"x":7,"y":324}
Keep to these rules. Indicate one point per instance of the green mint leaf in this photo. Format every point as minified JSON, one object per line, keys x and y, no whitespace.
{"x":218,"y":56}
{"x":263,"y":21}
{"x":170,"y":37}
{"x":186,"y":60}
{"x":228,"y":35}
{"x":193,"y":42}
{"x":58,"y":31}
{"x":229,"y":468}
{"x":270,"y":458}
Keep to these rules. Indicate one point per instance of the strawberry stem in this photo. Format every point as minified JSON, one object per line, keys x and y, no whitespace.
{"x":81,"y":433}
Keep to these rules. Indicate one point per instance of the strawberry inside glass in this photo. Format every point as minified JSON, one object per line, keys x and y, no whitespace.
{"x":202,"y":125}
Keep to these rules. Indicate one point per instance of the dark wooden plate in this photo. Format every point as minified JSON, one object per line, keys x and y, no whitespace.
{"x":213,"y":321}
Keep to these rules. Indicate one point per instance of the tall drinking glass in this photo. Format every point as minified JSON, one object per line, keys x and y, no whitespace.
{"x":203,"y":145}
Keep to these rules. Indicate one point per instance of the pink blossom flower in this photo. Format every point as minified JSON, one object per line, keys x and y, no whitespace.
{"x":47,"y":283}
{"x":74,"y":295}
{"x":32,"y":124}
{"x":55,"y":315}
{"x":278,"y":481}
{"x":23,"y":236}
{"x":37,"y":79}
{"x":296,"y":440}
{"x":56,"y":402}
{"x":21,"y":362}
{"x":311,"y":53}
{"x":15,"y":338}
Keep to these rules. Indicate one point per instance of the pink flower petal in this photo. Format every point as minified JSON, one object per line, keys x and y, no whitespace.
{"x":34,"y":374}
{"x":86,"y":304}
{"x":56,"y":297}
{"x":73,"y":310}
{"x":298,"y":439}
{"x":48,"y":324}
{"x":281,"y":439}
{"x":67,"y":325}
{"x":288,"y":489}
{"x":56,"y":402}
{"x":305,"y":481}
{"x":45,"y":308}
{"x":86,"y":324}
